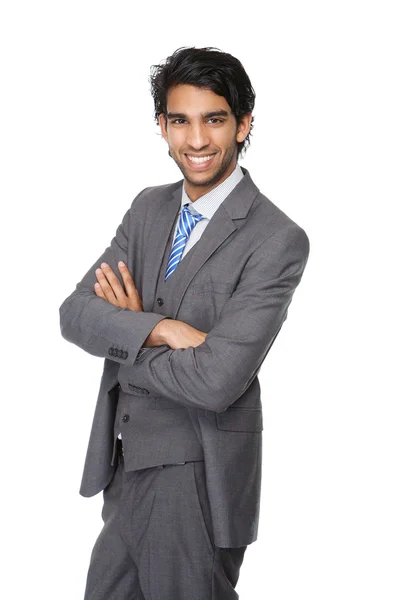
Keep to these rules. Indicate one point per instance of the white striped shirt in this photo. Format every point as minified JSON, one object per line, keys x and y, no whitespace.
{"x":207,"y":205}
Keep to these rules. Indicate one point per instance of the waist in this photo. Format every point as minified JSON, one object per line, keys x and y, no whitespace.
{"x":154,"y":436}
{"x":120,"y":458}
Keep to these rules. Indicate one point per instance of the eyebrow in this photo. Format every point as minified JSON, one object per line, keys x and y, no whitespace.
{"x":209,"y":115}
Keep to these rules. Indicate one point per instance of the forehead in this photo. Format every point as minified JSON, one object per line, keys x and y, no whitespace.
{"x":194,"y":100}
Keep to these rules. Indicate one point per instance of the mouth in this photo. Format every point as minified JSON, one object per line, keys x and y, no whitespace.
{"x":199,"y":163}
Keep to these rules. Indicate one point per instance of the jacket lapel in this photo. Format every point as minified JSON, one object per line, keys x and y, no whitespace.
{"x":224,"y":222}
{"x":159,"y":235}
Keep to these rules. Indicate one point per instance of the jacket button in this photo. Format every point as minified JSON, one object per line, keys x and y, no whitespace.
{"x":160,"y":301}
{"x":125,"y":418}
{"x":111,"y":351}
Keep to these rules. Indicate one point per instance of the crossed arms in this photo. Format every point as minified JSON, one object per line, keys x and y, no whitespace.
{"x":211,"y":374}
{"x":116,"y":331}
{"x":173,"y":333}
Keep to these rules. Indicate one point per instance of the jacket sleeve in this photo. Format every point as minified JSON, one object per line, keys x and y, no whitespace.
{"x":96,"y":325}
{"x":217,"y":372}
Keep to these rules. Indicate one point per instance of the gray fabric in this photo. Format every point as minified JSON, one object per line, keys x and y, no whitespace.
{"x":156,"y":542}
{"x":154,"y":436}
{"x":236,"y":283}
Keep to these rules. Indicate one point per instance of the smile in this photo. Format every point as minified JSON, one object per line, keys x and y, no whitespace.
{"x":200,"y":162}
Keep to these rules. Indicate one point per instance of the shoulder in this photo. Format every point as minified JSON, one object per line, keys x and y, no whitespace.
{"x":148,"y":200}
{"x":276,"y":228}
{"x":156,"y":192}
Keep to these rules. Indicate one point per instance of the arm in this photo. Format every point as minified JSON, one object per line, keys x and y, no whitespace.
{"x":97,"y":326}
{"x":178,"y":335}
{"x":218,"y":371}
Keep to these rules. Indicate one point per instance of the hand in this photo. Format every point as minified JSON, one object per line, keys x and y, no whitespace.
{"x":178,"y":334}
{"x":109,"y":287}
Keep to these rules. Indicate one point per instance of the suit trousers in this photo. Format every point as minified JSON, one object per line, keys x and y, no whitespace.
{"x":157,"y":543}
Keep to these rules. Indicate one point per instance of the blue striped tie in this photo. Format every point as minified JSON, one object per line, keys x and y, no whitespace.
{"x":186,"y":224}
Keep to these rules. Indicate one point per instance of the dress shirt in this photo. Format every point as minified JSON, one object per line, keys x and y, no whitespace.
{"x":207,"y":205}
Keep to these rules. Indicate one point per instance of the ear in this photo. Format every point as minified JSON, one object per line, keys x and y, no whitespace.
{"x":163,"y":125}
{"x":244,"y":127}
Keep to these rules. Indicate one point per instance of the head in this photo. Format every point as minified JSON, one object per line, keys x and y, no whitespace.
{"x":203,"y":103}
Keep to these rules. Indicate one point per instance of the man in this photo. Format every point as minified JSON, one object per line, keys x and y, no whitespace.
{"x":184,"y":306}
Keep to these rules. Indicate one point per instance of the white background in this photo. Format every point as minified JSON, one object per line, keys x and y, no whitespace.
{"x":78,"y":143}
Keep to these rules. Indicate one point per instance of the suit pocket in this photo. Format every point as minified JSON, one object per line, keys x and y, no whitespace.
{"x":203,"y":302}
{"x":218,"y":287}
{"x":202,"y":502}
{"x":240,"y":419}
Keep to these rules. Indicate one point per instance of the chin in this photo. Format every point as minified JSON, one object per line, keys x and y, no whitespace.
{"x":201,"y":178}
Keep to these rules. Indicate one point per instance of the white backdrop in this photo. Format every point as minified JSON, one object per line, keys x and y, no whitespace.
{"x":78,"y":142}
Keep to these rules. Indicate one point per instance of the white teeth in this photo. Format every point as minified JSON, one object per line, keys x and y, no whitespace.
{"x":201,"y":159}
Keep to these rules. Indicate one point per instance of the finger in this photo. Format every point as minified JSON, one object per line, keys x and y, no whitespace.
{"x":127,"y":278}
{"x":99,"y":291}
{"x":115,"y":284}
{"x":134,"y":301}
{"x":106,"y":287}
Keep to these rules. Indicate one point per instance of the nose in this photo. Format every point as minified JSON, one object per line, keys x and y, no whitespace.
{"x":198,"y":136}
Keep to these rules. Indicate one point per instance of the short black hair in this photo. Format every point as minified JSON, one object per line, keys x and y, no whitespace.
{"x":208,"y":68}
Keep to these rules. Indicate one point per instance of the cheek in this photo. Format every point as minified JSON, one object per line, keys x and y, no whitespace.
{"x":176,"y":140}
{"x":226,"y":140}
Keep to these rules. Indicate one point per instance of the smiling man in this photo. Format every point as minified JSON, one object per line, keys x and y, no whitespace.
{"x":203,"y":135}
{"x":184,"y":306}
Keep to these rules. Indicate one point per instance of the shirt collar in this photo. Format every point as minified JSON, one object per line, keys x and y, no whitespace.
{"x":207,"y":204}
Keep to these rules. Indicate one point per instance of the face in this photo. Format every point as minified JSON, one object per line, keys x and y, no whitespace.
{"x":202,"y":135}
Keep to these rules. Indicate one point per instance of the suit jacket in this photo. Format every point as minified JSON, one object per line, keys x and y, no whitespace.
{"x":237,"y":285}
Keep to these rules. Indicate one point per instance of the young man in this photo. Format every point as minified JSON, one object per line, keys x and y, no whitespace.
{"x":184,"y":306}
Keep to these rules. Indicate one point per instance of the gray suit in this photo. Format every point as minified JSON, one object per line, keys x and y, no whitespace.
{"x":236,"y":283}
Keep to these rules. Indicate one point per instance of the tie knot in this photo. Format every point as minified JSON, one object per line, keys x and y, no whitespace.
{"x":188,"y":221}
{"x":194,"y":214}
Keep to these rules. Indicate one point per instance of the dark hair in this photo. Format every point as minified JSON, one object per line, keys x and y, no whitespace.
{"x":208,"y":68}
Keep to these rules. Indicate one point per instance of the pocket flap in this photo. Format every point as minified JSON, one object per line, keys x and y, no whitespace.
{"x":211,"y":286}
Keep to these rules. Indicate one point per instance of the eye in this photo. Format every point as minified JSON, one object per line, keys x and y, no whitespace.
{"x":211,"y":119}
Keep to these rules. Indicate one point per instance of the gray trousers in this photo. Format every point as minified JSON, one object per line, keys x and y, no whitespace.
{"x":156,"y":542}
